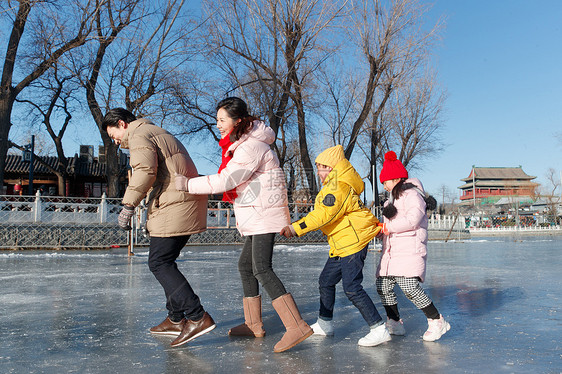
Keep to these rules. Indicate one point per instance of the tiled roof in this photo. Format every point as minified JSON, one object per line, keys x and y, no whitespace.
{"x":507,"y":183}
{"x":508,"y":200}
{"x":16,"y":165}
{"x":95,"y":168}
{"x":498,"y":173}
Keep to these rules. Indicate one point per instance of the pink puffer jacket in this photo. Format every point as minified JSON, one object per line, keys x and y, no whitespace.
{"x":261,"y":206}
{"x":405,"y":248}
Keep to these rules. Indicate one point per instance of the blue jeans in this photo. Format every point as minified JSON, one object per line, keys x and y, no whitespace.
{"x":349,"y":270}
{"x":180,"y":298}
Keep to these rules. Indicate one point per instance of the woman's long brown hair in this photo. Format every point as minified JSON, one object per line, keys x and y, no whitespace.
{"x":237,"y":109}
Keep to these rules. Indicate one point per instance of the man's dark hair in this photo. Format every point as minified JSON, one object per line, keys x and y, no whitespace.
{"x":113,"y":116}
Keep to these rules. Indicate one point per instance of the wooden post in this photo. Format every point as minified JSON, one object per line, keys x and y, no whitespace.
{"x":130,"y":234}
{"x":451,"y":229}
{"x":130,"y":245}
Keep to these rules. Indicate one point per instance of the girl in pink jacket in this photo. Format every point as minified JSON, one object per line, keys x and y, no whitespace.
{"x":250,"y":178}
{"x":404,"y":252}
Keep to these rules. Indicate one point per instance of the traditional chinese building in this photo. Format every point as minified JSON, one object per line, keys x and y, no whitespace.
{"x":85,"y":179}
{"x":85,"y":174}
{"x":486,"y":185}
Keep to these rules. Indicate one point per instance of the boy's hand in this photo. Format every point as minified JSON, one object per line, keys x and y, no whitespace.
{"x":181,"y":182}
{"x":378,"y":231}
{"x":288,"y":231}
{"x":383,"y":227}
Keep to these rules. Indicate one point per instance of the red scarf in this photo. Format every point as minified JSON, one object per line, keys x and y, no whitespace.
{"x":225,"y":143}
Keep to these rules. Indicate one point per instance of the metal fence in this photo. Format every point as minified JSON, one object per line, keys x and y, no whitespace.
{"x":59,"y":222}
{"x":53,"y":222}
{"x":508,"y":220}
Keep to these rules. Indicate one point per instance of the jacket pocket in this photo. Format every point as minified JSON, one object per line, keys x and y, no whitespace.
{"x":343,"y":235}
{"x":154,"y":200}
{"x":404,"y":243}
{"x":405,"y":234}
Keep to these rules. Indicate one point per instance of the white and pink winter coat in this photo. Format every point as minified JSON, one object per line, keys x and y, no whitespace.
{"x":261,"y":206}
{"x":404,"y":249}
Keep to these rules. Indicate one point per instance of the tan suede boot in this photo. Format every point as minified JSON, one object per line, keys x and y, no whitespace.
{"x":297,"y":329}
{"x":253,"y":325}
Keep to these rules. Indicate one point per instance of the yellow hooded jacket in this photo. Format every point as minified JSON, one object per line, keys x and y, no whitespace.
{"x":340,"y":214}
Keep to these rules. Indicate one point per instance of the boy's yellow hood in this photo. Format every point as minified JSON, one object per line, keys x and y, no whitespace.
{"x":344,"y":172}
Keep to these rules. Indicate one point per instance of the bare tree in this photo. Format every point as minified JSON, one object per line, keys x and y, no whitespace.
{"x":140,"y":46}
{"x":395,"y":50}
{"x":53,"y":100}
{"x":109,"y":23}
{"x":57,"y":28}
{"x":340,"y":98}
{"x":194,"y":98}
{"x":553,"y":194}
{"x":446,"y":195}
{"x":279,"y":55}
{"x":267,"y":50}
{"x":394,"y":43}
{"x":243,"y":40}
{"x":298,"y":30}
{"x":414,"y":118}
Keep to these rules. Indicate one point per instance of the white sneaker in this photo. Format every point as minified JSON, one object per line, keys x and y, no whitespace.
{"x":395,"y":327}
{"x":377,"y":336}
{"x":324,"y":328}
{"x":435,"y":329}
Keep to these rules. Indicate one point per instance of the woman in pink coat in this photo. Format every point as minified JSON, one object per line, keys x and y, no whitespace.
{"x":404,"y":250}
{"x":250,"y":178}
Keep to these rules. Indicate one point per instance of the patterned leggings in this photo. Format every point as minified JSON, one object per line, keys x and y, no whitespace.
{"x":410,"y":286}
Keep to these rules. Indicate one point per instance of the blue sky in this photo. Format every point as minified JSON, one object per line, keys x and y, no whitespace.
{"x":501,"y":63}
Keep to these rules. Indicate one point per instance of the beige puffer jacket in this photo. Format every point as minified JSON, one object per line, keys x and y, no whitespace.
{"x":156,"y":156}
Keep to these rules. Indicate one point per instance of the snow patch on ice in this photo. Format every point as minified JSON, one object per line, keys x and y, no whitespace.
{"x":301,"y":248}
{"x":54,"y":254}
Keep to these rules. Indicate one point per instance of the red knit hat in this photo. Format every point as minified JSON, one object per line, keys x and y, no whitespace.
{"x":392,"y":168}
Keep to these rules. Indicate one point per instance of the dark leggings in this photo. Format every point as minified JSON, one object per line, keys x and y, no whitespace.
{"x":255,"y":266}
{"x":180,"y":298}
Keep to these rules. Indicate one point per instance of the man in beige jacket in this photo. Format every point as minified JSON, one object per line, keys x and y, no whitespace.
{"x":156,"y":156}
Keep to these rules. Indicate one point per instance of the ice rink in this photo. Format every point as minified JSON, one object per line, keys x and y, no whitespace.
{"x":89,"y":312}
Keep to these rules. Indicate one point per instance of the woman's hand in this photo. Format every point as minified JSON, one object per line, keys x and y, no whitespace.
{"x":181,"y":182}
{"x":288,"y":231}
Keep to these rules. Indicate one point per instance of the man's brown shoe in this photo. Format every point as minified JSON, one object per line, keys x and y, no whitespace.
{"x":167,"y":327}
{"x":192,"y":329}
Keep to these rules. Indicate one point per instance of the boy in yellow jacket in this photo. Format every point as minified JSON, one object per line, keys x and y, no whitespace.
{"x":350,"y":226}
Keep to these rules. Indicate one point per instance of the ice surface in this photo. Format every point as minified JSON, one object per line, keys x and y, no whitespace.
{"x":89,"y":312}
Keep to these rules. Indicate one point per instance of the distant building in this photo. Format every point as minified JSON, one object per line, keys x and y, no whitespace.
{"x":86,"y":174}
{"x":487,"y":185}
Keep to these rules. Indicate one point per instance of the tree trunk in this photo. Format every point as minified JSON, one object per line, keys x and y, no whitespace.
{"x":61,"y":179}
{"x":275,"y":122}
{"x":6,"y":105}
{"x":9,"y":91}
{"x":291,"y":184}
{"x":113,"y":170}
{"x":373,"y":172}
{"x":367,"y":105}
{"x":303,"y":144}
